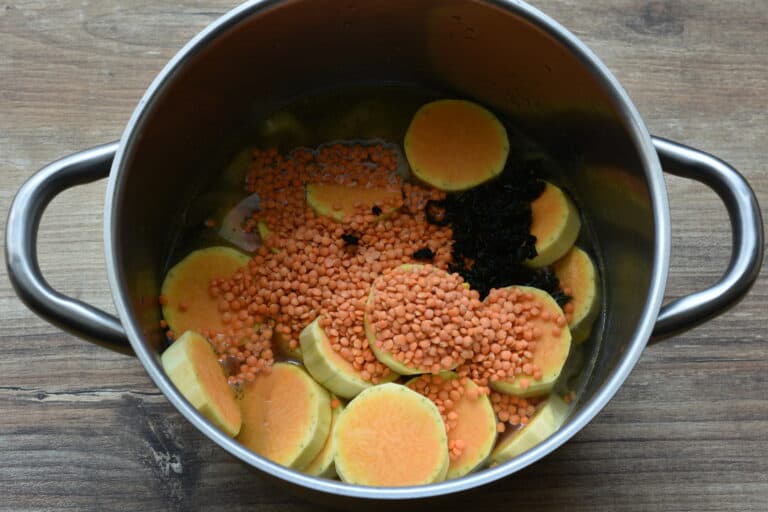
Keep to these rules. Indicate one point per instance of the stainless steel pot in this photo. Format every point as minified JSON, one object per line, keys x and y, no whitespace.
{"x":506,"y":54}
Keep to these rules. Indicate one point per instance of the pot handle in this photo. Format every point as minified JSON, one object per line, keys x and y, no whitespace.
{"x":747,"y":239}
{"x":26,"y":211}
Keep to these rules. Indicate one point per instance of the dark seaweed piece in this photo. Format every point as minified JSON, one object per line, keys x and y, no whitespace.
{"x":483,"y":278}
{"x":424,"y":254}
{"x":376,"y":211}
{"x":491,"y":231}
{"x":350,"y":239}
{"x":435,"y":212}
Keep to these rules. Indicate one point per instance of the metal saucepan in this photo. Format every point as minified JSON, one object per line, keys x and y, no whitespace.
{"x":505,"y":54}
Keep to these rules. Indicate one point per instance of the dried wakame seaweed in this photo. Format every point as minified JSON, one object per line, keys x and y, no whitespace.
{"x":491,"y":231}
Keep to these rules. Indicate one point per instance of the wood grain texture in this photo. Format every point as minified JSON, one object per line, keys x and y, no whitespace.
{"x":84,"y":429}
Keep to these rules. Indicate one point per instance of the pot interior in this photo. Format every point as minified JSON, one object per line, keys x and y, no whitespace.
{"x":267,"y":54}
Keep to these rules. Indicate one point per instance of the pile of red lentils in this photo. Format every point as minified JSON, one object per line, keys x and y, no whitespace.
{"x":429,"y":321}
{"x":313,"y":266}
{"x":423,"y":317}
{"x":512,"y":410}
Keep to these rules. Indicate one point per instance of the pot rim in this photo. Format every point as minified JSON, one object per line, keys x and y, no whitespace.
{"x":589,"y":410}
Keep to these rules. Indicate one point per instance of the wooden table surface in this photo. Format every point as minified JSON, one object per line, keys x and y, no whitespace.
{"x":84,"y":429}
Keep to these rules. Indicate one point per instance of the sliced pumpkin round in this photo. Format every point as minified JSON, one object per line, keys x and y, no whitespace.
{"x":551,"y":351}
{"x":455,"y":145}
{"x":475,"y":427}
{"x":193,"y":367}
{"x":187,"y":303}
{"x":328,"y":367}
{"x":555,"y":223}
{"x":286,"y":416}
{"x":341,"y":202}
{"x":322,"y":465}
{"x":577,"y":273}
{"x":549,"y":417}
{"x":391,"y":436}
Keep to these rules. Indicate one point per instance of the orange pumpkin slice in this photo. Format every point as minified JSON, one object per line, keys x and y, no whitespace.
{"x":576,"y":272}
{"x":193,"y":367}
{"x":286,"y":416}
{"x":555,"y":223}
{"x":341,"y":202}
{"x":323,"y":466}
{"x":390,"y":435}
{"x":187,"y":304}
{"x":476,"y":427}
{"x":455,"y":145}
{"x":544,"y":423}
{"x":550,"y":354}
{"x":328,"y":367}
